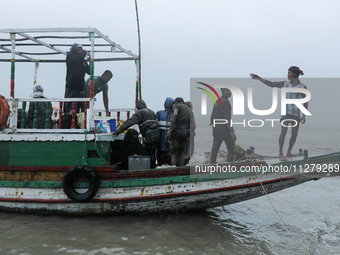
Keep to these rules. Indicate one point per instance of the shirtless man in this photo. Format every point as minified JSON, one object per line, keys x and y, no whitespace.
{"x":293,"y":114}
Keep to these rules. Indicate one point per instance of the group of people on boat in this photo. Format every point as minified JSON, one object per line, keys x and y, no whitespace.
{"x":76,"y":86}
{"x":166,"y":134}
{"x":226,"y":133}
{"x":177,"y":114}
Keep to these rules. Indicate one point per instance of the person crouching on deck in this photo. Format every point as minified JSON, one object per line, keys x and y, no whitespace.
{"x":130,"y":147}
{"x":148,"y":127}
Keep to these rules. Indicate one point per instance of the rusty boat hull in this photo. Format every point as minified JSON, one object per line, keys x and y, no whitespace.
{"x":40,"y":188}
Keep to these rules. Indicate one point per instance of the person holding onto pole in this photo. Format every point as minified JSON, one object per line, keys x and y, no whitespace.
{"x":100,"y":85}
{"x":76,"y":67}
{"x":293,"y":113}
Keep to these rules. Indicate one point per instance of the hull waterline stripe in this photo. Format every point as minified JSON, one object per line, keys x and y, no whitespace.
{"x":153,"y":197}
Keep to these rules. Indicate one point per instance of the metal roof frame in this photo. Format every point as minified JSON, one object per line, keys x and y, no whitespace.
{"x":56,"y":49}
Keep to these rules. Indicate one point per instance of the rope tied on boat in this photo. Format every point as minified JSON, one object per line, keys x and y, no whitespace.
{"x":264,"y":190}
{"x":83,"y":161}
{"x":95,"y":144}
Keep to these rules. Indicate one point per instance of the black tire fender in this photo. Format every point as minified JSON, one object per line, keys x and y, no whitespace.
{"x":68,"y":183}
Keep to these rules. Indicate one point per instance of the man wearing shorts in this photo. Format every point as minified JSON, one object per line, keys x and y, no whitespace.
{"x":293,"y":113}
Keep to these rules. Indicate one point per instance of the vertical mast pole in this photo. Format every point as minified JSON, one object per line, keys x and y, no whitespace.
{"x":12,"y":38}
{"x":91,"y":35}
{"x":138,"y":62}
{"x":137,"y":83}
{"x":90,"y":112}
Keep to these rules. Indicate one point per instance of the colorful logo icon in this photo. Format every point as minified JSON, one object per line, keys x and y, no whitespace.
{"x":208,"y":92}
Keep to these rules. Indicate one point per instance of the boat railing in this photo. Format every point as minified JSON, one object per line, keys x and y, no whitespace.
{"x":86,"y":120}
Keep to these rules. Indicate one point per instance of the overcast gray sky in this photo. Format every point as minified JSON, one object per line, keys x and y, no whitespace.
{"x":190,"y":39}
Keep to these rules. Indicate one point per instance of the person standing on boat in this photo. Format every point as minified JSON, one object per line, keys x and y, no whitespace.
{"x":148,"y":127}
{"x":100,"y":84}
{"x":179,"y":131}
{"x":222,"y":132}
{"x":76,"y":67}
{"x":38,"y":92}
{"x":164,"y":119}
{"x":189,"y":151}
{"x":293,"y":113}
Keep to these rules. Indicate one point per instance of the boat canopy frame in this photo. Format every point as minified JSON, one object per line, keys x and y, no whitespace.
{"x":55,"y":50}
{"x":31,"y":41}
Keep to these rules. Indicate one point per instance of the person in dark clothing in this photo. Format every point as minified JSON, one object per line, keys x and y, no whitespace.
{"x":222,"y":132}
{"x":164,"y":120}
{"x":148,"y":127}
{"x":38,"y":92}
{"x":191,"y":140}
{"x":179,"y":131}
{"x":130,"y":147}
{"x":76,"y":67}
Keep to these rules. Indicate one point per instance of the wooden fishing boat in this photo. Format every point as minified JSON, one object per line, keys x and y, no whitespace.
{"x":72,"y":171}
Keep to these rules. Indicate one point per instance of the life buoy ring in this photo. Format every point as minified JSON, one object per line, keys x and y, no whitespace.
{"x":4,"y":111}
{"x":68,"y":183}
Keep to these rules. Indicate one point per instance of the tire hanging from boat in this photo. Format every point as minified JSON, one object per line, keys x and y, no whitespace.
{"x":68,"y":183}
{"x":4,"y":111}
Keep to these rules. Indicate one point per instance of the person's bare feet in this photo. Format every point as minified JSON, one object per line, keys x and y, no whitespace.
{"x":283,"y":158}
{"x":290,"y":155}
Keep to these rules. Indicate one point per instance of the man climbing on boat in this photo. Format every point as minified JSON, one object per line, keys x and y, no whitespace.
{"x":100,"y":85}
{"x":293,"y":113}
{"x":148,"y":127}
{"x":76,"y":67}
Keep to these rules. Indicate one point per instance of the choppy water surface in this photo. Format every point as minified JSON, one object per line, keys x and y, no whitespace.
{"x":311,"y":211}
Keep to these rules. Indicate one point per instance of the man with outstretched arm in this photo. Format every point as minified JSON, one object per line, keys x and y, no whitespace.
{"x":293,"y":113}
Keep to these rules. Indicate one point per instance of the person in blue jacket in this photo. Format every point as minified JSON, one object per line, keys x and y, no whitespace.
{"x":164,"y":120}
